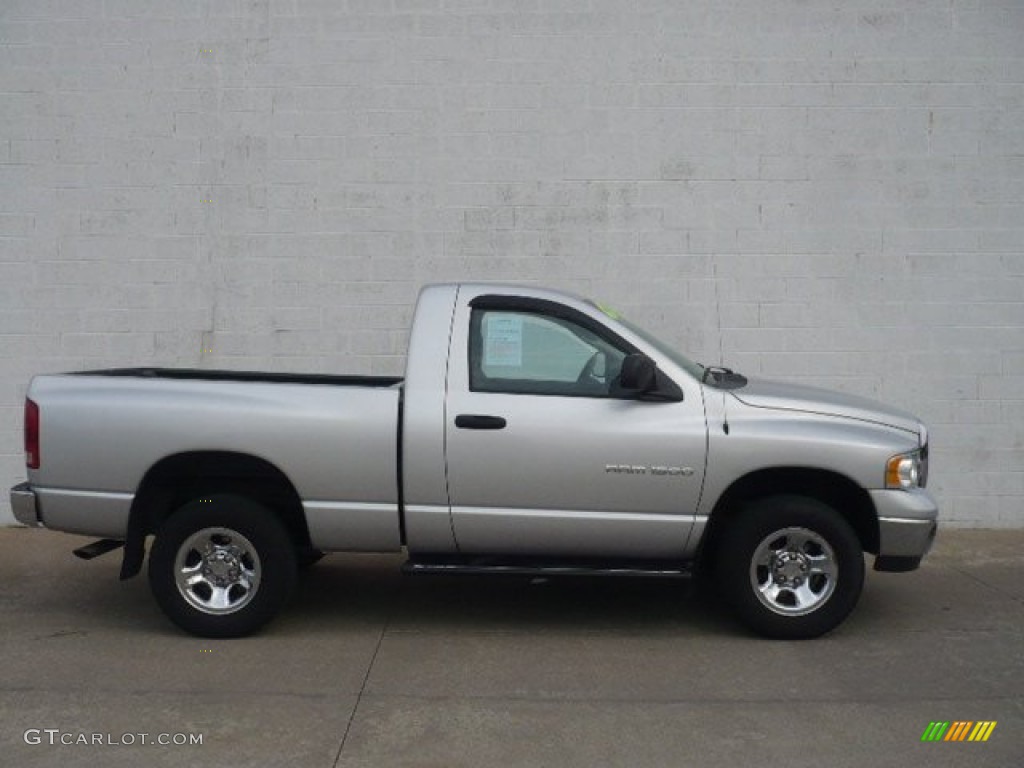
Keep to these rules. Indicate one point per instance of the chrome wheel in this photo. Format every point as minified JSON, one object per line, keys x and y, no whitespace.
{"x":217,"y":570}
{"x":793,"y":571}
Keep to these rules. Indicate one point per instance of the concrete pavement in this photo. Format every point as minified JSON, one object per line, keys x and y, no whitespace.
{"x":370,"y":668}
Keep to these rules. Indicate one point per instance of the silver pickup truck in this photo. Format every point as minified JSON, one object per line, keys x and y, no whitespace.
{"x":534,"y":433}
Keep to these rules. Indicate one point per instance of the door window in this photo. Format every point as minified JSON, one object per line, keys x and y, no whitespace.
{"x":530,"y":353}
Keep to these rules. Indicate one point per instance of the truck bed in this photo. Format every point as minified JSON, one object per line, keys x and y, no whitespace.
{"x":334,"y":437}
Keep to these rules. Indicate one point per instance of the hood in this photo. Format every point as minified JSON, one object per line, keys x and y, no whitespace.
{"x":783,"y":396}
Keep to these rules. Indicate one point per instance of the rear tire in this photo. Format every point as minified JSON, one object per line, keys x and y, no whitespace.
{"x":222,"y":566}
{"x":791,"y":567}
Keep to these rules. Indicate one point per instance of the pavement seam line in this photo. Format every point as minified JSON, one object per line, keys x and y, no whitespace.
{"x":676,"y":702}
{"x":362,"y":690}
{"x":994,"y":587}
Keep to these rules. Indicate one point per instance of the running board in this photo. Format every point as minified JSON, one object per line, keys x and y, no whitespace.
{"x":491,"y":566}
{"x":97,"y":548}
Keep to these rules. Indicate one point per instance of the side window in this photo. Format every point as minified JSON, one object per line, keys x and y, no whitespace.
{"x":528,"y":353}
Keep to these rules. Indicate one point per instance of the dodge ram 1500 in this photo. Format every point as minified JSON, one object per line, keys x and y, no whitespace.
{"x":534,"y":432}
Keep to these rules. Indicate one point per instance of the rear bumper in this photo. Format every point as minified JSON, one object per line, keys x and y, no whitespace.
{"x":25,"y":506}
{"x":907,"y":523}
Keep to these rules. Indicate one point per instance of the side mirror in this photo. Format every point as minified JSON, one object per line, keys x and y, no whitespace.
{"x":639,"y":374}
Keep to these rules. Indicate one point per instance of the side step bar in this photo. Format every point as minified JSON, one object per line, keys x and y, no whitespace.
{"x":491,"y":566}
{"x":97,"y":548}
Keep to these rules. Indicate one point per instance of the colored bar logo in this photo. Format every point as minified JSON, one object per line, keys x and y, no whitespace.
{"x":959,"y":730}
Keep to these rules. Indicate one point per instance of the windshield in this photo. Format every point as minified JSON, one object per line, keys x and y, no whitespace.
{"x":694,"y":369}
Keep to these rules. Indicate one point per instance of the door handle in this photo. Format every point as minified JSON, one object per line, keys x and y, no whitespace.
{"x":472,"y":421}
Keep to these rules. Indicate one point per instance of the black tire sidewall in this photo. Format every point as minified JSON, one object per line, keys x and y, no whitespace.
{"x":749,"y":528}
{"x":278,"y":569}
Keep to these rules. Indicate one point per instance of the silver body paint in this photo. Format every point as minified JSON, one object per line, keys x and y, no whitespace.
{"x":566,"y":476}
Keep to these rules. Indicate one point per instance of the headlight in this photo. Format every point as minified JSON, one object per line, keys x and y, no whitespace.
{"x":904,"y":471}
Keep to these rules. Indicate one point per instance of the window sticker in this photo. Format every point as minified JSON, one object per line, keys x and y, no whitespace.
{"x":503,"y":341}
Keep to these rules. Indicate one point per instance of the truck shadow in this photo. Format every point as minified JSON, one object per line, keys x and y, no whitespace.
{"x":344,"y":589}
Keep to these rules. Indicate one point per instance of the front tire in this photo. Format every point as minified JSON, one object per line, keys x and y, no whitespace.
{"x":791,"y":567}
{"x":222,"y":566}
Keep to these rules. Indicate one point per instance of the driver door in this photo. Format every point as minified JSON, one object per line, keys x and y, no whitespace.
{"x":545,"y":457}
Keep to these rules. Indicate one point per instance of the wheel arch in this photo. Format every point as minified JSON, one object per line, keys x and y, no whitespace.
{"x":176,"y":479}
{"x":832,"y":488}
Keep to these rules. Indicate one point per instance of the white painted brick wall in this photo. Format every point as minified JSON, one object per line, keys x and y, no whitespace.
{"x":825,"y":190}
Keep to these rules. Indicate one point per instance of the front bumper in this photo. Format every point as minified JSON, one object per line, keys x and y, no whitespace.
{"x":907,"y":522}
{"x":23,"y":503}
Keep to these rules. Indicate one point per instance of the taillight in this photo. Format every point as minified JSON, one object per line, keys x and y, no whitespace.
{"x":31,"y":434}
